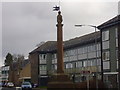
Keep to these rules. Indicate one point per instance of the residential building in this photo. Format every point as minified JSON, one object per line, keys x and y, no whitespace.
{"x":4,"y":73}
{"x":109,"y":33}
{"x":82,"y":57}
{"x":19,"y":72}
{"x":25,"y":72}
{"x":0,"y":74}
{"x":40,"y":66}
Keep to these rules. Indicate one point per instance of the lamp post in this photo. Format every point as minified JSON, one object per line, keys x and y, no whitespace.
{"x":95,"y":29}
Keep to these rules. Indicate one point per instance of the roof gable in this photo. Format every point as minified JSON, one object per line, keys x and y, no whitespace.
{"x":111,"y":22}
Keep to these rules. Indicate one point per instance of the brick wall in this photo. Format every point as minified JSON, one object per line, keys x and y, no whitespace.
{"x":34,"y":67}
{"x":26,"y":71}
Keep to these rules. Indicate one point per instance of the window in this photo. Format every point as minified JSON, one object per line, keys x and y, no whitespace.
{"x":69,"y":65}
{"x":73,"y":52}
{"x":72,"y":58}
{"x":117,"y":54}
{"x":116,"y":32}
{"x":105,"y":44}
{"x":117,"y":64}
{"x":116,"y":42}
{"x":65,"y":54}
{"x":55,"y":67}
{"x":105,"y":35}
{"x":98,"y":47}
{"x":99,"y":62}
{"x":80,"y":51}
{"x":89,"y":63}
{"x":91,"y":48}
{"x":106,"y":65}
{"x":79,"y":64}
{"x":88,"y":49}
{"x":42,"y":67}
{"x":105,"y":55}
{"x":52,"y":56}
{"x":92,"y":55}
{"x":93,"y":62}
{"x":66,"y":59}
{"x":82,"y":56}
{"x":98,"y":53}
{"x":85,"y":63}
{"x":52,"y":66}
{"x":94,"y":47}
{"x":85,"y":50}
{"x":55,"y":55}
{"x":42,"y":56}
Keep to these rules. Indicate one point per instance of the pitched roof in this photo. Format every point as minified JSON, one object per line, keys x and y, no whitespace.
{"x":51,"y":46}
{"x":47,"y":46}
{"x":79,"y":41}
{"x":111,"y":22}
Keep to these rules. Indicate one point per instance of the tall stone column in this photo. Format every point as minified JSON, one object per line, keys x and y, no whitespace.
{"x":60,"y":80}
{"x":60,"y":63}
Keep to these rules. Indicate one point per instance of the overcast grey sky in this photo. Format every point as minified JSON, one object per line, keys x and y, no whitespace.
{"x":25,"y":24}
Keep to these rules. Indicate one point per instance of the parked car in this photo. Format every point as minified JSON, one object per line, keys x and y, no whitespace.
{"x":10,"y":84}
{"x":26,"y":86}
{"x":35,"y":85}
{"x":4,"y":84}
{"x":1,"y":84}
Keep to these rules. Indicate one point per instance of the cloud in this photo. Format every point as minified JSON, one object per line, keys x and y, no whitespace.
{"x":25,"y":24}
{"x":0,"y":33}
{"x":94,"y":13}
{"x":119,"y":8}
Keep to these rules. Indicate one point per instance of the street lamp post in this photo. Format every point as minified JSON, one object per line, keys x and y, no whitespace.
{"x":95,"y":28}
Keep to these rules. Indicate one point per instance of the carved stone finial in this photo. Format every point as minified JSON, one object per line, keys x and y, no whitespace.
{"x":59,"y":17}
{"x":59,"y":12}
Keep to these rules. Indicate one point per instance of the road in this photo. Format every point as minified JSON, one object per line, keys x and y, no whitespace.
{"x":14,"y":88}
{"x":4,"y":88}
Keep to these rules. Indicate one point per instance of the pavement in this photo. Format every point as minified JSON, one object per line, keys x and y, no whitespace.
{"x":5,"y":88}
{"x":19,"y":88}
{"x":39,"y":89}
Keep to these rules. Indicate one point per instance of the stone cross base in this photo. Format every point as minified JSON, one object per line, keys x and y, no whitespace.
{"x":60,"y":82}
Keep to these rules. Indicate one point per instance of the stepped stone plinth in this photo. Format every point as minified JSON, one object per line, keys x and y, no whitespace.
{"x":60,"y":82}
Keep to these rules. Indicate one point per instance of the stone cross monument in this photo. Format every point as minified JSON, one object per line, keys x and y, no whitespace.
{"x":60,"y":80}
{"x":60,"y":63}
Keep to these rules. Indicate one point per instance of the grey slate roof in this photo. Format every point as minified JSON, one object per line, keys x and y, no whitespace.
{"x":79,"y":41}
{"x":46,"y":47}
{"x":51,"y":46}
{"x":111,"y":22}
